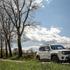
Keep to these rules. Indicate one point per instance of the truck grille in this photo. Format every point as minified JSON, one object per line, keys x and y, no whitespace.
{"x":66,"y":52}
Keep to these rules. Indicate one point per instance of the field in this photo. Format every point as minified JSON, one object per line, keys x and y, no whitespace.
{"x":32,"y":65}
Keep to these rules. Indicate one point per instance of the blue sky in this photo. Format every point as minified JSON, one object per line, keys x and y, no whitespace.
{"x":55,"y":14}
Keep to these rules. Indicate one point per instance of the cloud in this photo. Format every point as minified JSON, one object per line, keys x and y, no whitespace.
{"x":37,"y":4}
{"x":45,"y":35}
{"x":41,"y":33}
{"x":40,"y":3}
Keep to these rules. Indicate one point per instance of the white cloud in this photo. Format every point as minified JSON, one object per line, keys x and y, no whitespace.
{"x":37,"y":4}
{"x":40,"y":3}
{"x":43,"y":34}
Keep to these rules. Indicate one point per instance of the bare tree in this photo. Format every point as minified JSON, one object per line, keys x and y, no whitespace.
{"x":7,"y":28}
{"x":18,"y":12}
{"x":1,"y":43}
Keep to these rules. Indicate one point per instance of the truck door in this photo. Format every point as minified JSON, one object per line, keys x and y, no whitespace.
{"x":44,"y":52}
{"x":47,"y":52}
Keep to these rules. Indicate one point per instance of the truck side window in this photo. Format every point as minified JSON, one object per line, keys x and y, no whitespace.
{"x":42,"y":49}
{"x":47,"y":48}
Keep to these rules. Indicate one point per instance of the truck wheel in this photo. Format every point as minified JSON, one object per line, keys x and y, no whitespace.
{"x":55,"y":58}
{"x":38,"y":57}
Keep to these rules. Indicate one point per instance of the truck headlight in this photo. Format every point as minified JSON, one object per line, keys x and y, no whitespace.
{"x":61,"y":52}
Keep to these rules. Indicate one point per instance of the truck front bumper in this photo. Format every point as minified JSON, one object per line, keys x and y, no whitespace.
{"x":65,"y":58}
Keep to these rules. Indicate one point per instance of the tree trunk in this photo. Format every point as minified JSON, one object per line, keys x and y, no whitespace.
{"x":19,"y":46}
{"x":6,"y":48}
{"x":10,"y":52}
{"x":1,"y":48}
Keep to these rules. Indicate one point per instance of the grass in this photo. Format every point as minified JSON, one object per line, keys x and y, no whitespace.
{"x":32,"y":65}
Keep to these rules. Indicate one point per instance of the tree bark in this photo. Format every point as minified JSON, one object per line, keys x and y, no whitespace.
{"x":6,"y":48}
{"x":19,"y":46}
{"x":1,"y":48}
{"x":10,"y":52}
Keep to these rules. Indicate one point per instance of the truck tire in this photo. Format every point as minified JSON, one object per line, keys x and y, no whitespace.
{"x":55,"y":58}
{"x":38,"y":57}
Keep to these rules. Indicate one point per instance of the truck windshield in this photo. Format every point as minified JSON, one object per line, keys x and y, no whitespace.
{"x":57,"y":47}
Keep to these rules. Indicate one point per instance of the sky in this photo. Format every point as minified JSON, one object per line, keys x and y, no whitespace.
{"x":54,"y":19}
{"x":56,"y":13}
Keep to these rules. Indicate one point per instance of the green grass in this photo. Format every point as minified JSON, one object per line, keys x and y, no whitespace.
{"x":32,"y":65}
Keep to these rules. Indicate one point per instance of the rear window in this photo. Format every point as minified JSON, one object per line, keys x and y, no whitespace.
{"x":44,"y":48}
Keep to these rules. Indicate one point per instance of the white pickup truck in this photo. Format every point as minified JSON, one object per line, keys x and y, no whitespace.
{"x":53,"y":52}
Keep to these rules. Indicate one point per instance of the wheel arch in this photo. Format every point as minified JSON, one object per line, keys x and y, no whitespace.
{"x":54,"y":54}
